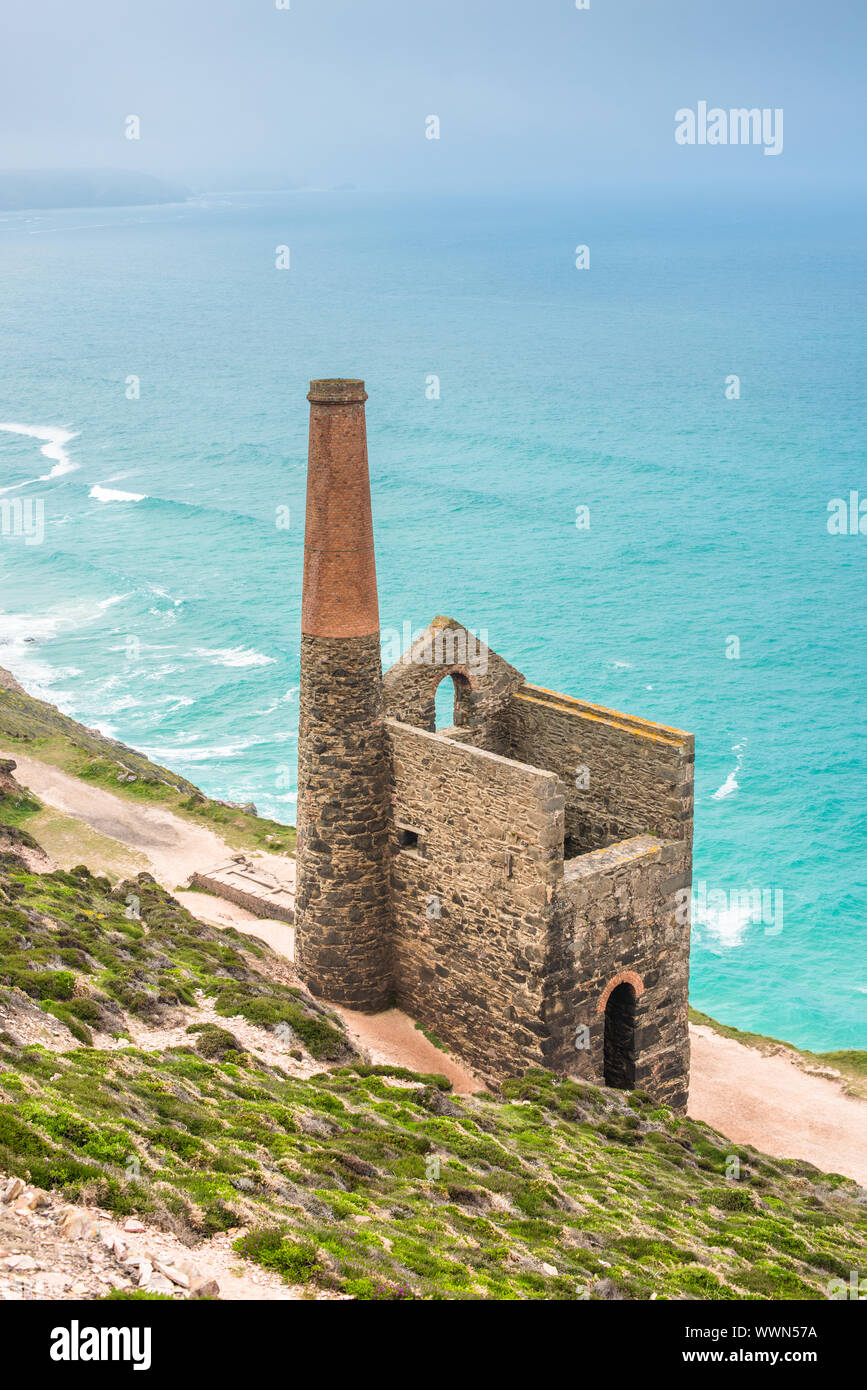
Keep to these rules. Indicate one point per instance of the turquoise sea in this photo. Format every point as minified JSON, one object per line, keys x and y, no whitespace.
{"x":163,"y":602}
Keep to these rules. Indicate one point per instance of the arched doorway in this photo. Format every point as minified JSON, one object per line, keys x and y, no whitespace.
{"x":619,"y":1050}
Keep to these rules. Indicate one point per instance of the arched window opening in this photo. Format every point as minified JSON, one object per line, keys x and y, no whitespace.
{"x":453,"y":702}
{"x":619,"y":1053}
{"x":445,"y":703}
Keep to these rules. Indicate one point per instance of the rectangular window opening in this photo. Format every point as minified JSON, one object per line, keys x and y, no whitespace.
{"x":408,"y":838}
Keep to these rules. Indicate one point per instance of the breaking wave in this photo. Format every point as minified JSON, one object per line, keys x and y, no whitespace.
{"x":53,"y":448}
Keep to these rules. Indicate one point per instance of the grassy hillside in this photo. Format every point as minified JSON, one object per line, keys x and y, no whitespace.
{"x":368,"y":1180}
{"x":39,"y":730}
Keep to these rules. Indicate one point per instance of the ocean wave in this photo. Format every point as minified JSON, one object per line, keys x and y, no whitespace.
{"x":53,"y":448}
{"x":110,"y":494}
{"x":160,"y":672}
{"x":234,"y":656}
{"x":731,"y":783}
{"x":120,"y":705}
{"x":727,"y":925}
{"x":24,"y":633}
{"x":171,"y":757}
{"x":164,"y":593}
{"x":287,"y":699}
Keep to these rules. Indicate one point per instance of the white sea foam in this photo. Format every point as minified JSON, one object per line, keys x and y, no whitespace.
{"x":111,"y":494}
{"x":53,"y":448}
{"x":164,"y":593}
{"x":289,"y":698}
{"x":728,"y":924}
{"x":731,"y":783}
{"x":120,"y":705}
{"x":22,"y":635}
{"x":725,"y":914}
{"x":233,"y":656}
{"x":178,"y":756}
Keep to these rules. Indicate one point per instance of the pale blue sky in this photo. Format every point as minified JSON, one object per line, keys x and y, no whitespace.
{"x":530,"y":93}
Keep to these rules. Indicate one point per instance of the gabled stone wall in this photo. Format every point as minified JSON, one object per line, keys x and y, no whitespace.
{"x":483,"y":683}
{"x":533,"y":859}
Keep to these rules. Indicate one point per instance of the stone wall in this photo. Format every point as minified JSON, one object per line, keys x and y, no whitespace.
{"x":501,"y":947}
{"x":232,"y":894}
{"x":617,"y":921}
{"x":432,"y":869}
{"x":476,"y":864}
{"x":623,"y":776}
{"x":483,"y":683}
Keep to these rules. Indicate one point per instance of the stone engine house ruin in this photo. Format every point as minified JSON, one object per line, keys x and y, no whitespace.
{"x":516,"y":882}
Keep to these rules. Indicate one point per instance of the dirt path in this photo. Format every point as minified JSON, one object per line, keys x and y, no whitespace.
{"x":393,"y":1037}
{"x":771,"y":1103}
{"x":217,"y":912}
{"x":170,"y":847}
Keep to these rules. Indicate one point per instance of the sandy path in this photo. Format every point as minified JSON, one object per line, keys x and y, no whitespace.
{"x":769,"y":1102}
{"x":173,"y":847}
{"x":393,"y":1037}
{"x":218,"y":912}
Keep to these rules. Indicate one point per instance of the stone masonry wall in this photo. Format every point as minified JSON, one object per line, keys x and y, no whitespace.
{"x":342,"y":907}
{"x":473,"y":898}
{"x":271,"y":911}
{"x":483,"y":683}
{"x":638,"y":774}
{"x":618,"y":922}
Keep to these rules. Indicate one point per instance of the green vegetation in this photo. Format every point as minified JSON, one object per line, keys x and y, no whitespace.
{"x":16,"y":811}
{"x":432,"y":1038}
{"x":215,"y":1042}
{"x":271,"y":1247}
{"x":367,"y":1183}
{"x":92,"y":954}
{"x":368,"y":1180}
{"x":134,"y":1296}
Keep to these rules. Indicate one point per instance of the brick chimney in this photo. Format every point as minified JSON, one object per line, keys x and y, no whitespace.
{"x":342,"y":908}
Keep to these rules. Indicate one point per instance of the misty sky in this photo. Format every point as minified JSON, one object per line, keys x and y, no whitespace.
{"x":530,"y":93}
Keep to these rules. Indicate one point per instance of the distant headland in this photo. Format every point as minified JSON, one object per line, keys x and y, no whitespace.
{"x":25,"y":189}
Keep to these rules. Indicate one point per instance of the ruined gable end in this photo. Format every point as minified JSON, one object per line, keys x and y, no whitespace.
{"x":483,"y":683}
